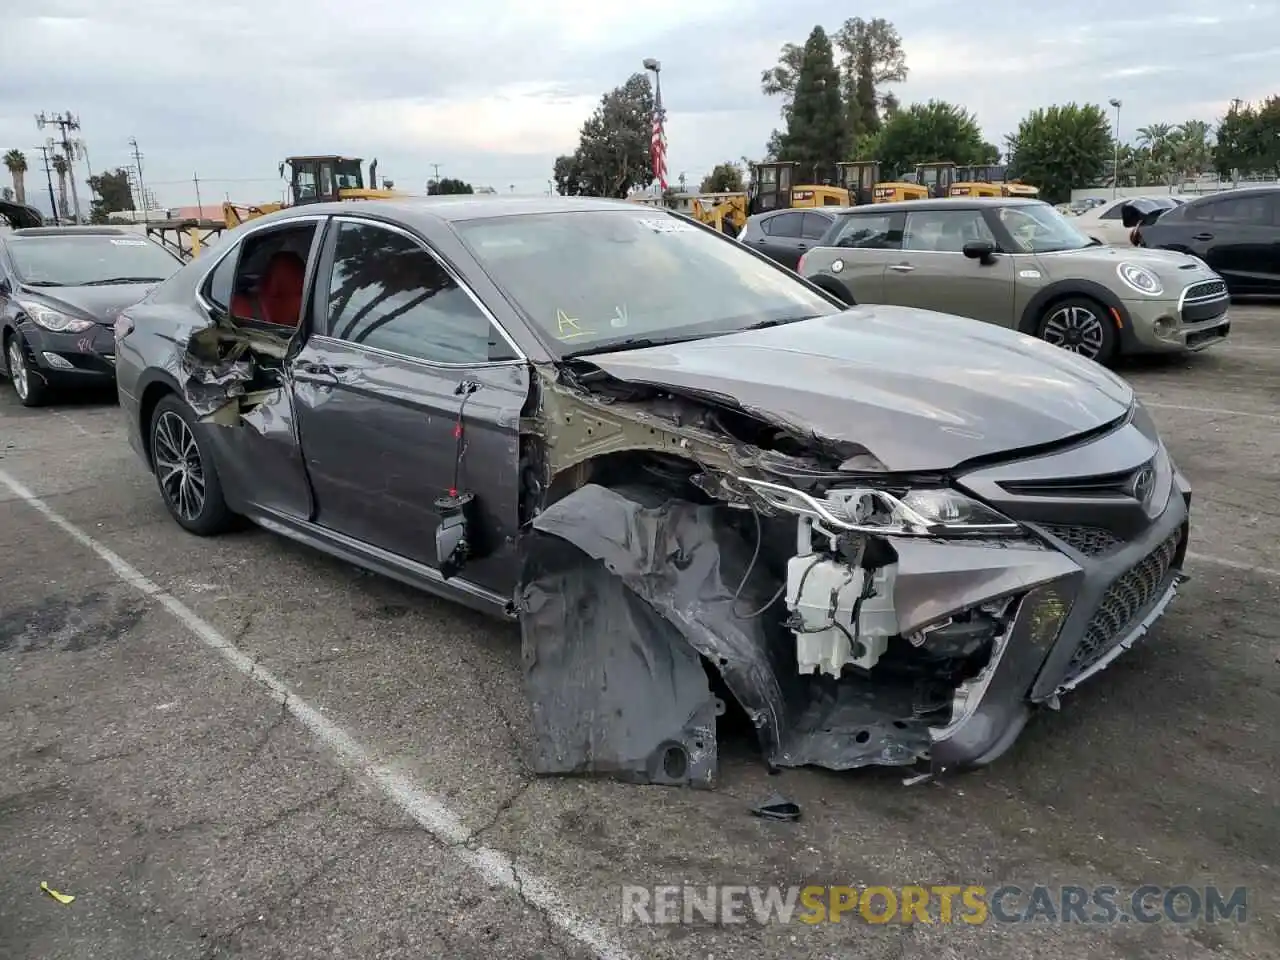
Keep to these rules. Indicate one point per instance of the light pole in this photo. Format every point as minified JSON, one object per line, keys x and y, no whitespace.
{"x":1115,"y":163}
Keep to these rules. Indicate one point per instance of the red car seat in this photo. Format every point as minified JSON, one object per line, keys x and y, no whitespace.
{"x":279,"y":298}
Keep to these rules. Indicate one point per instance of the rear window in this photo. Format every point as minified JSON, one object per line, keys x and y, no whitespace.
{"x":75,"y":261}
{"x":590,"y":279}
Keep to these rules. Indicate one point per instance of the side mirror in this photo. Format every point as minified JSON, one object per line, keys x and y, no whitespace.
{"x":980,"y":250}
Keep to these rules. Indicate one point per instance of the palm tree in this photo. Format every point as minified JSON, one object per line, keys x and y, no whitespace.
{"x":60,"y":167}
{"x":16,"y":162}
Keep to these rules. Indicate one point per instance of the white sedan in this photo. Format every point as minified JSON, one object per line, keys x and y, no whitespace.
{"x":1105,"y":221}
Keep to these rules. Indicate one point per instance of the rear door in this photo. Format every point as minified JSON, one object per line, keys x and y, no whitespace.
{"x":404,"y":353}
{"x":1239,"y":238}
{"x":861,"y":249}
{"x":783,"y":237}
{"x":932,"y":272}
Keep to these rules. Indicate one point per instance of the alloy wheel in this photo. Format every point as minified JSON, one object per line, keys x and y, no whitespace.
{"x":18,"y":369}
{"x":1077,"y":329}
{"x":178,"y":466}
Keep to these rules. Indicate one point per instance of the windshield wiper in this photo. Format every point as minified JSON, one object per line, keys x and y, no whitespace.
{"x":111,"y":280}
{"x":765,"y":324}
{"x":632,"y":343}
{"x":42,"y":283}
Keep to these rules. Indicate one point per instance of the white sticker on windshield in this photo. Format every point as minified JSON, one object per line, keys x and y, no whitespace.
{"x":130,"y":243}
{"x":669,"y":225}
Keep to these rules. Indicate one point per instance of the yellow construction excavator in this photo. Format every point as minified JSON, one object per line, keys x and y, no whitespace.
{"x":315,"y":179}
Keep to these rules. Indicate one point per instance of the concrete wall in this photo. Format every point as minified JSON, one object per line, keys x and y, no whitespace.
{"x":1190,"y":188}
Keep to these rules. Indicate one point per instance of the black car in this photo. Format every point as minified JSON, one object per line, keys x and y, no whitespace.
{"x":60,"y":291}
{"x":1237,"y":233}
{"x":784,"y":235}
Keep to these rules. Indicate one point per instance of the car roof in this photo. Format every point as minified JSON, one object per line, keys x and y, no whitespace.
{"x":1263,"y":190}
{"x":460,"y":207}
{"x":69,"y":232}
{"x":940,"y":203}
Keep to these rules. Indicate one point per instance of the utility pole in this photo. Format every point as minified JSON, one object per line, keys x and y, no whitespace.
{"x":48,"y":176}
{"x":195,"y":178}
{"x":65,"y":123}
{"x":142,"y":190}
{"x":436,"y":168}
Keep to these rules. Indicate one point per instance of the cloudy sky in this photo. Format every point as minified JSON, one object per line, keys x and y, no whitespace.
{"x":493,"y":90}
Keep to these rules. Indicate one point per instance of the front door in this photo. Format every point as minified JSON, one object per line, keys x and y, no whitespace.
{"x":932,"y":272}
{"x":401,"y":356}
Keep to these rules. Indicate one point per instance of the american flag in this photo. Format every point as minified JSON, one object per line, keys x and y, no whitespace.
{"x":658,"y":145}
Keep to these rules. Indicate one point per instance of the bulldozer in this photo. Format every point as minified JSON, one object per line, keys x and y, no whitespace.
{"x":315,"y":179}
{"x":989,"y":180}
{"x":774,"y":187}
{"x":862,"y":179}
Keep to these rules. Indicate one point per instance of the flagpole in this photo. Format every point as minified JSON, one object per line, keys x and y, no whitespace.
{"x":658,"y":145}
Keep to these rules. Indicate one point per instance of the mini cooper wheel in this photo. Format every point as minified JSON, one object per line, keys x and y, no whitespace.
{"x":30,"y":387}
{"x":185,"y":471}
{"x":1082,"y":326}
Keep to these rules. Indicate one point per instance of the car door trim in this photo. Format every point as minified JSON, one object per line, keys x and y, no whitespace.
{"x":520,"y":356}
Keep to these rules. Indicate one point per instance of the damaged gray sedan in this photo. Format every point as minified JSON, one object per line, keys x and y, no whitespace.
{"x":698,"y":482}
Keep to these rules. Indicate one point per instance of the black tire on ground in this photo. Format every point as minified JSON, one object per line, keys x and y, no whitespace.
{"x":1081,"y":325}
{"x":30,"y":387}
{"x":185,"y":471}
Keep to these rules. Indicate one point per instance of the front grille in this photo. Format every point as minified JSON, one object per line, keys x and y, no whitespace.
{"x":1204,"y":300}
{"x":1123,"y":605}
{"x":1091,"y":541}
{"x":1206,"y":290}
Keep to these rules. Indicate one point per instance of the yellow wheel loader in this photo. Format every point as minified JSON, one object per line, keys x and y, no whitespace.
{"x":315,"y":179}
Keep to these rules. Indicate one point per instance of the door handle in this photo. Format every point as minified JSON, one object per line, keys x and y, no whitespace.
{"x":1203,"y":236}
{"x":901,"y":267}
{"x":802,"y":246}
{"x":316,"y":369}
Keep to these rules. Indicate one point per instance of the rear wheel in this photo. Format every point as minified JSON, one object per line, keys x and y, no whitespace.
{"x":1082,"y":326}
{"x":30,"y":387}
{"x":185,"y":471}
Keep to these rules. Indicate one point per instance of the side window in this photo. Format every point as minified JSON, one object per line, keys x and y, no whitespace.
{"x":387,"y":292}
{"x":815,"y":226}
{"x":785,"y":225}
{"x":1113,"y":212}
{"x":944,"y":231}
{"x":868,"y":233}
{"x":217,"y":289}
{"x":1252,"y":211}
{"x":262,"y":279}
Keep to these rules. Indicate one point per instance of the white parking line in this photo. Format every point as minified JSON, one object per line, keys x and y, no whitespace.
{"x":432,"y":813}
{"x":1212,"y":411}
{"x":1233,"y":564}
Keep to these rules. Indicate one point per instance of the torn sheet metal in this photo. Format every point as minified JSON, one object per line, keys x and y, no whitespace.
{"x":217,"y":366}
{"x":585,"y":641}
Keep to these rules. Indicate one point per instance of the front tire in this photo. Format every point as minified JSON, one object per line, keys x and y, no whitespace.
{"x":185,"y":471}
{"x":1082,"y":326}
{"x":30,"y":387}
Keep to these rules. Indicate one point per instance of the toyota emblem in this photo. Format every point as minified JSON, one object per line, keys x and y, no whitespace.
{"x":1142,"y":483}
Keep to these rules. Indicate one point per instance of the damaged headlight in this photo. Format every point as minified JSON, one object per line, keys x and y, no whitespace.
{"x":931,"y":512}
{"x":53,"y":320}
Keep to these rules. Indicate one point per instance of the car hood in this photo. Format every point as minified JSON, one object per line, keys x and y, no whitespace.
{"x":94,"y":303}
{"x":1174,"y":268}
{"x":920,"y":391}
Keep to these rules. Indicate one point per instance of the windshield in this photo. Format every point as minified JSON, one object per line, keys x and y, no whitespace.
{"x":593,"y":280}
{"x":1038,"y":228}
{"x":72,"y":261}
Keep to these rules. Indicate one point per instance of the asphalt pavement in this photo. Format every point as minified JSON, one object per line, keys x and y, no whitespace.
{"x":238,"y":747}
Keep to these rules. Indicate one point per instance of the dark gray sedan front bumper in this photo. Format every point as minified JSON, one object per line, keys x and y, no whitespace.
{"x":1064,"y":632}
